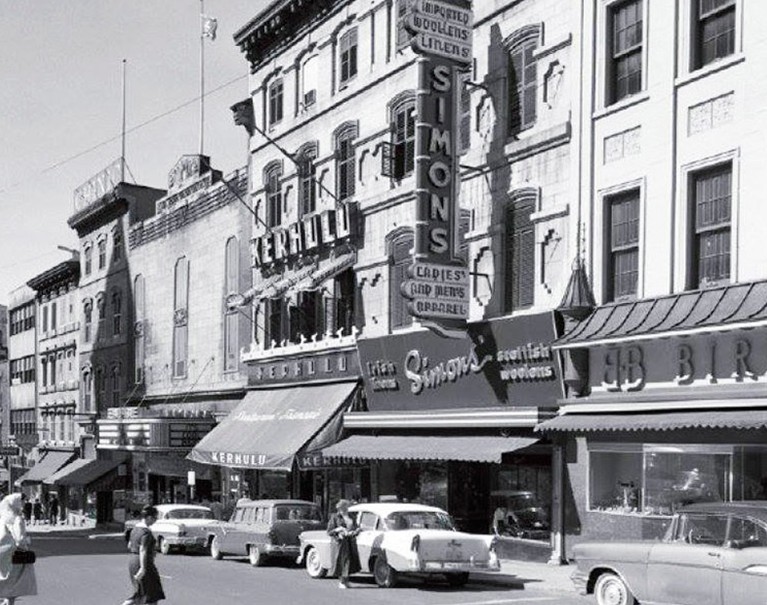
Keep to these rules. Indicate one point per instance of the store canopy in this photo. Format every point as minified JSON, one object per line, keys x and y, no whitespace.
{"x":658,"y":421}
{"x":271,"y":426}
{"x":710,"y":309}
{"x":45,"y":467}
{"x":411,"y":447}
{"x":82,"y":472}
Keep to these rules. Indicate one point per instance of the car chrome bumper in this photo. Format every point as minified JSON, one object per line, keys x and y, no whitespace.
{"x":580,"y":580}
{"x":282,"y":549}
{"x":458,"y":566}
{"x":200,"y":541}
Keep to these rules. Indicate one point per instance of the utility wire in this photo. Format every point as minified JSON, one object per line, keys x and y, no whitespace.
{"x":151,"y":120}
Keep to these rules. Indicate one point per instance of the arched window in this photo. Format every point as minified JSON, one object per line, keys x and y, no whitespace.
{"x":347,"y":55}
{"x":523,"y":78}
{"x":401,"y":256}
{"x":88,"y":320}
{"x":403,"y":137}
{"x":307,"y":185}
{"x":139,"y":298}
{"x":180,"y":317}
{"x":275,"y":101}
{"x":116,"y":384}
{"x":345,"y":161}
{"x":102,"y":246}
{"x":519,"y":253}
{"x":117,"y":313}
{"x":231,"y":316}
{"x":273,"y":186}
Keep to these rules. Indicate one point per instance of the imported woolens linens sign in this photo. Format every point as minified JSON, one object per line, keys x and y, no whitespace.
{"x":507,"y":361}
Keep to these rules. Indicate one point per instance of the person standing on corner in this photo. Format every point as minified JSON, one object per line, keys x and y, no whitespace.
{"x":343,"y":529}
{"x":53,"y":510}
{"x":147,"y":588}
{"x":16,"y":579}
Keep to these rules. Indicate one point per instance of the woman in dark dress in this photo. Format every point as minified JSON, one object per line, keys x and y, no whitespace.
{"x":343,"y":529}
{"x":147,"y":588}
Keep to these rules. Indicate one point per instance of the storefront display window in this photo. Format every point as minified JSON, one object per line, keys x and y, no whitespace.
{"x":750,"y":474}
{"x":657,"y":480}
{"x":347,"y":483}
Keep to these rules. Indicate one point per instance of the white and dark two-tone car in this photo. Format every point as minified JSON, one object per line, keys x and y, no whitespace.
{"x":401,"y":538}
{"x":712,"y":554}
{"x":180,"y":526}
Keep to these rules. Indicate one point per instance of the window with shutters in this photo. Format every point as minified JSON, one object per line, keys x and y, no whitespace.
{"x":403,"y":138}
{"x":180,"y":318}
{"x":714,"y":30}
{"x":625,"y":46}
{"x":307,"y":183}
{"x":274,"y":312}
{"x":275,"y":101}
{"x":404,"y":8}
{"x":117,"y":313}
{"x":139,"y":328}
{"x":623,"y":237}
{"x":273,"y":187}
{"x":231,"y":316}
{"x":87,"y":320}
{"x":401,"y":254}
{"x":523,"y":75}
{"x":102,"y":248}
{"x":711,"y":191}
{"x":520,"y":256}
{"x":347,"y":54}
{"x":345,"y":173}
{"x":305,"y":316}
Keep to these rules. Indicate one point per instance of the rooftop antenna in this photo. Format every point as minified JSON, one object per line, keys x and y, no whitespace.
{"x":122,"y":138}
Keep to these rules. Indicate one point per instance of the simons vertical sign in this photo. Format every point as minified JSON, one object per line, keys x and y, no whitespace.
{"x":438,"y":287}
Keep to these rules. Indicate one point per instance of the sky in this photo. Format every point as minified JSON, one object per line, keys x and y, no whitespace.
{"x":61,"y":95}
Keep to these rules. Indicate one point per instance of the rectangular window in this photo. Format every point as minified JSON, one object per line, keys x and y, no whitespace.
{"x":273,"y":200}
{"x":623,"y":233}
{"x":54,"y":315}
{"x":102,"y":245}
{"x":275,"y":310}
{"x":307,"y":185}
{"x":404,"y":141}
{"x":180,"y":318}
{"x":399,"y":315}
{"x":625,"y":27}
{"x":87,"y":391}
{"x":523,"y":70}
{"x":711,"y":210}
{"x":520,"y":256}
{"x":45,"y":318}
{"x":345,"y":296}
{"x":715,"y":30}
{"x":88,"y":260}
{"x":275,"y":102}
{"x":348,"y":55}
{"x":345,"y":168}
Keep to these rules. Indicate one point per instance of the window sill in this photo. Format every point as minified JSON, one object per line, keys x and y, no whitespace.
{"x":635,"y":99}
{"x":709,"y":69}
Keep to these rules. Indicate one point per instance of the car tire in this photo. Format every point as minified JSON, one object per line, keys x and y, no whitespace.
{"x":385,"y":575}
{"x":163,"y":546}
{"x":313,"y":565}
{"x":215,"y":549}
{"x":456,"y":580}
{"x":610,"y":589}
{"x":255,"y":556}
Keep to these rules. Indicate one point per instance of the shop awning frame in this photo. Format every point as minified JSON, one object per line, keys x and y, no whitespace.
{"x":81,"y":472}
{"x":51,"y":462}
{"x":419,"y":448}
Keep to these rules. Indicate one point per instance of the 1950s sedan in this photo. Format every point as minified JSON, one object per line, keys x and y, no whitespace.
{"x":397,"y":538}
{"x":712,"y":554}
{"x":180,"y":526}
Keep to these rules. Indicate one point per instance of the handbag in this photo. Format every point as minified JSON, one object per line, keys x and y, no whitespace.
{"x":22,"y":556}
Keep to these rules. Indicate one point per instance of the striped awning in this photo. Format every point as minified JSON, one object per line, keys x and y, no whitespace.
{"x":82,"y":472}
{"x":413,"y":447}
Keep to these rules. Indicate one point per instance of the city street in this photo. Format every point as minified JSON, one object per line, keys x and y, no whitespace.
{"x":95,"y":571}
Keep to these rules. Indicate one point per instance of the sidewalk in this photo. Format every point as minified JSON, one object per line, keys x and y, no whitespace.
{"x":540,"y":576}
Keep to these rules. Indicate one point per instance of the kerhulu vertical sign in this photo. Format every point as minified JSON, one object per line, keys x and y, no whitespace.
{"x":439,"y":286}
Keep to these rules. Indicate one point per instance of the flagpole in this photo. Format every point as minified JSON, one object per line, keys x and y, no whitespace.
{"x":202,"y":76}
{"x":122,"y":150}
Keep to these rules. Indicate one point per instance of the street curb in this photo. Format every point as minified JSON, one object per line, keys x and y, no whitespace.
{"x":106,"y":536}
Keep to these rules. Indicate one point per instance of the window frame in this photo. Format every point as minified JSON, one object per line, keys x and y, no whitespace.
{"x":512,"y":299}
{"x":275,"y":101}
{"x":231,"y":315}
{"x":117,"y":313}
{"x":399,"y":261}
{"x":345,"y":162}
{"x":273,"y":194}
{"x":402,"y":139}
{"x":348,"y":57}
{"x":516,"y":107}
{"x":101,"y":245}
{"x":180,"y":318}
{"x":699,"y":20}
{"x":612,"y":57}
{"x":306,"y":171}
{"x":614,"y":249}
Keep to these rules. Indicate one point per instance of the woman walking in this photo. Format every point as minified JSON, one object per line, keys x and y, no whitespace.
{"x":147,"y":588}
{"x":343,"y":529}
{"x":16,"y":579}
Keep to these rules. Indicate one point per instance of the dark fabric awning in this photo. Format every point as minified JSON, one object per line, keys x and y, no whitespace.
{"x":45,"y":467}
{"x":82,"y":472}
{"x":710,"y":309}
{"x":271,"y":426}
{"x":409,"y":447}
{"x":658,"y":421}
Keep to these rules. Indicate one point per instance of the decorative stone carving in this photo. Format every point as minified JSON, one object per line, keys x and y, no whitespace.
{"x":180,"y":317}
{"x":710,"y":114}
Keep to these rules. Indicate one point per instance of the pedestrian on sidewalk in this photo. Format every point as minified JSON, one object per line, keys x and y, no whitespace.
{"x":343,"y":529}
{"x":16,"y":579}
{"x":147,"y":588}
{"x":53,"y":509}
{"x":37,"y":512}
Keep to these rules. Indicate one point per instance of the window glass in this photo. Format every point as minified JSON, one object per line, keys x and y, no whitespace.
{"x":520,"y":256}
{"x":368,"y":520}
{"x":403,"y":139}
{"x":616,"y":480}
{"x":712,"y":198}
{"x":696,"y":528}
{"x":348,"y":55}
{"x":626,"y":49}
{"x":715,"y":30}
{"x":345,"y":172}
{"x":748,"y":532}
{"x":624,"y":244}
{"x":239,"y":515}
{"x":275,"y":101}
{"x":273,"y":188}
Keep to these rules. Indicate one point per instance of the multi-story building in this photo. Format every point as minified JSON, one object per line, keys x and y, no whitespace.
{"x":666,"y":395}
{"x":21,"y":367}
{"x":185,"y":260}
{"x":5,"y":380}
{"x":104,"y":210}
{"x":334,"y":188}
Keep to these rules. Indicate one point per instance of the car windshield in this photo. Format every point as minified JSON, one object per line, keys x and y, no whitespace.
{"x":296,"y":512}
{"x":419,"y":519}
{"x":189,"y":513}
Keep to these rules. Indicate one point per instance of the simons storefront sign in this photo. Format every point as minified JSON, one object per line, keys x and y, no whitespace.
{"x":508,"y":361}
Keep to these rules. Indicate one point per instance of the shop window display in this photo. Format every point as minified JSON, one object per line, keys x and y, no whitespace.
{"x":616,"y":478}
{"x":750,"y":474}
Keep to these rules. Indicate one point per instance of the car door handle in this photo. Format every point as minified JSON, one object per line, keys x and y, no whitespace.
{"x":714,"y":554}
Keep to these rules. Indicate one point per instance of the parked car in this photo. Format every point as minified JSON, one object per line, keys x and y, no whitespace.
{"x":180,"y":526}
{"x":712,"y":553}
{"x":397,"y":538}
{"x":525,"y":516}
{"x":262,"y":529}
